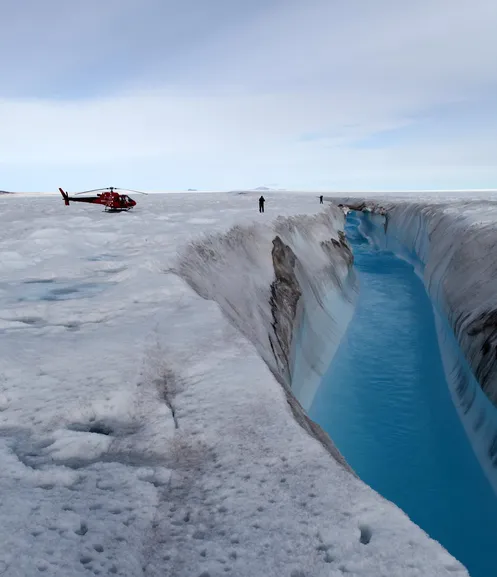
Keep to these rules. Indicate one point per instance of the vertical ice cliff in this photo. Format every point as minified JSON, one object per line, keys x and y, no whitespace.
{"x":451,"y":247}
{"x":285,"y":295}
{"x":289,"y":288}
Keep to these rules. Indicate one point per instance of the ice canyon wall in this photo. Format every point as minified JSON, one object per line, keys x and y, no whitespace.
{"x":450,"y":246}
{"x":289,"y":287}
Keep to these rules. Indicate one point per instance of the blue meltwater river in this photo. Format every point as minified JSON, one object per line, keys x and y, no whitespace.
{"x":386,"y":404}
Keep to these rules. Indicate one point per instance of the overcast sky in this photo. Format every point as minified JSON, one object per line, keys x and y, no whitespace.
{"x":221,"y":94}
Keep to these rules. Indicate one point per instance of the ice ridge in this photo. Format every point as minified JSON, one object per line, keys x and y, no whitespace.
{"x":273,"y":279}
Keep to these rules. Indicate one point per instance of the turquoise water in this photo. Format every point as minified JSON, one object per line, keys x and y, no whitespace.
{"x":385,"y":402}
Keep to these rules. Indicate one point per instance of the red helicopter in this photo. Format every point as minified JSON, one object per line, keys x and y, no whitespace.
{"x":113,"y":201}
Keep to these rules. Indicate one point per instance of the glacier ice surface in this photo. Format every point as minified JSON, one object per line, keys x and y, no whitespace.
{"x":141,"y":433}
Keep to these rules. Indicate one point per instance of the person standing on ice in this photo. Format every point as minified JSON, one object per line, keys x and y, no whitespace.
{"x":321,"y":199}
{"x":262,"y":200}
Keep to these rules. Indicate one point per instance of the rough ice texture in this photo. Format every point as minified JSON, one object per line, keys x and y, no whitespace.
{"x":141,"y":433}
{"x":285,"y":295}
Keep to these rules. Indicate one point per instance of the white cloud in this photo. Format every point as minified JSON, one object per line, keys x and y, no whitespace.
{"x":243,"y":99}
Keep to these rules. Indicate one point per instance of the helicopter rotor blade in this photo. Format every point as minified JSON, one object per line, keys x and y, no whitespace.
{"x":110,"y":188}
{"x":131,"y":190}
{"x":88,"y":191}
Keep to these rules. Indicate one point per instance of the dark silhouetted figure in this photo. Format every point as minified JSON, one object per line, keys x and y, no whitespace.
{"x":321,"y":199}
{"x":262,"y":200}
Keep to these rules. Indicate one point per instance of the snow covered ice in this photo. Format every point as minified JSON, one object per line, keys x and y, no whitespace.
{"x":142,"y":433}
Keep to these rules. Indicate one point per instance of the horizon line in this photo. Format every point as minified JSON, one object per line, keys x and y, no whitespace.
{"x":276,"y":190}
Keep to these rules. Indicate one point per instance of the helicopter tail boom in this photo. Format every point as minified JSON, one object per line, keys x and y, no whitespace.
{"x":65,"y":196}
